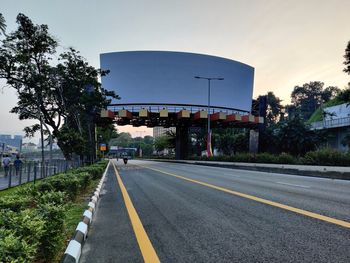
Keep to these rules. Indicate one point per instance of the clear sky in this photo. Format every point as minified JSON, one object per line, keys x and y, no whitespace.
{"x":288,"y":42}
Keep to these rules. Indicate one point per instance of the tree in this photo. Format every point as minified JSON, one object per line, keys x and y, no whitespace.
{"x":148,"y":139}
{"x":162,"y":142}
{"x":2,"y":24}
{"x":66,"y":97}
{"x":308,"y":97}
{"x":295,"y":137}
{"x":347,"y":59}
{"x":230,"y":141}
{"x":124,"y":139}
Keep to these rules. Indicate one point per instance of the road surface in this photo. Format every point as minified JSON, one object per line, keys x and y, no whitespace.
{"x":191,"y":213}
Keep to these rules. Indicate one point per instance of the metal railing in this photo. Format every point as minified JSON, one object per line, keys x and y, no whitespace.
{"x":333,"y":123}
{"x":155,"y":107}
{"x":32,"y":171}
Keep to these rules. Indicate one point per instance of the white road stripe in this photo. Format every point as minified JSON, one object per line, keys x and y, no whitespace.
{"x":297,"y":185}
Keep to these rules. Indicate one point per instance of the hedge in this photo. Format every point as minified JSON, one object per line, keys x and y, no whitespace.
{"x":32,"y":217}
{"x":324,"y":156}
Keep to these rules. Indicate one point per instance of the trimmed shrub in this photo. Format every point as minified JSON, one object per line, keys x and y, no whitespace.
{"x":14,"y":249}
{"x":21,"y":235}
{"x":15,"y":202}
{"x":32,"y":218}
{"x":266,"y":158}
{"x":326,"y":156}
{"x":52,"y":236}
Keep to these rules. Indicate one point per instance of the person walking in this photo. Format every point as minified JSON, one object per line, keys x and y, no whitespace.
{"x":6,"y":161}
{"x":18,"y":164}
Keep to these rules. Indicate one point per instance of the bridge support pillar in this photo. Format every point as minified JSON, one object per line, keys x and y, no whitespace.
{"x":181,"y":147}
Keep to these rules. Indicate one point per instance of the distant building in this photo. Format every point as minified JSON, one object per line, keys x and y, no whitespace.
{"x":8,"y":140}
{"x":160,"y":131}
{"x":47,"y":145}
{"x":29,"y":147}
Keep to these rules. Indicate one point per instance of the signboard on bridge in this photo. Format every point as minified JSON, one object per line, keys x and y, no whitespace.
{"x":166,"y":77}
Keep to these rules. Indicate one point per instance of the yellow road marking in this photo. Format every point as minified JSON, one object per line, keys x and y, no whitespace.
{"x":148,"y":253}
{"x":260,"y":200}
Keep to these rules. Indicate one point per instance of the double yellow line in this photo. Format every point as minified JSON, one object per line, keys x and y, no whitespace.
{"x":147,"y":250}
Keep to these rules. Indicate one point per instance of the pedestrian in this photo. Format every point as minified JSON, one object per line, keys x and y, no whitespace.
{"x":18,"y":164}
{"x":6,"y":161}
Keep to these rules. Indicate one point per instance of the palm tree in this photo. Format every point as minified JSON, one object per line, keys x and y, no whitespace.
{"x":2,"y":24}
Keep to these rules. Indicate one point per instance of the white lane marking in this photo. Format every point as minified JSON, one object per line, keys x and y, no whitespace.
{"x":297,"y":185}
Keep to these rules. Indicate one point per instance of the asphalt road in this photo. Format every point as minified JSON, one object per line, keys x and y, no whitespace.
{"x":188,"y":220}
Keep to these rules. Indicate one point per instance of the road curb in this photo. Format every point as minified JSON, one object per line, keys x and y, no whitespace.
{"x":75,"y":245}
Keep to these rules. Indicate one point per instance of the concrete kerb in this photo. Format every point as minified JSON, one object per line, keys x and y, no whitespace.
{"x":74,"y":248}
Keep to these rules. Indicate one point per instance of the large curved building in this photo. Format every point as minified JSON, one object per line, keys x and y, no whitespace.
{"x":166,"y":77}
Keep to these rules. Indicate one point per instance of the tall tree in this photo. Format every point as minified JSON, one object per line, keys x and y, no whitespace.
{"x":295,"y":137}
{"x":65,"y":97}
{"x":2,"y":24}
{"x":124,"y":139}
{"x":308,"y":97}
{"x":347,"y":59}
{"x":162,"y":142}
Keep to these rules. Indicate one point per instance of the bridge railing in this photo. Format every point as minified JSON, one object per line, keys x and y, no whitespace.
{"x":333,"y":123}
{"x":174,"y":108}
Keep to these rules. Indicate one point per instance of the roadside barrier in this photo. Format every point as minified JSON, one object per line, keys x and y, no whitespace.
{"x":75,"y":245}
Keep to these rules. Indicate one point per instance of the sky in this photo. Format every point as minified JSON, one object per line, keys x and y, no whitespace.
{"x":288,"y":42}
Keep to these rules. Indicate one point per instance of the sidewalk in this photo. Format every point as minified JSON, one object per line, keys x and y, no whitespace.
{"x":334,"y":172}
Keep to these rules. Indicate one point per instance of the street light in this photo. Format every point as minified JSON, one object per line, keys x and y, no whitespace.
{"x":209,"y":153}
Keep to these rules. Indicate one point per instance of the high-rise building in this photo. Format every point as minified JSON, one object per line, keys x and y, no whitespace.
{"x":159,"y":131}
{"x":15,"y":141}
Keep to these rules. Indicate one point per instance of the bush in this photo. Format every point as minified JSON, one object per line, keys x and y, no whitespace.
{"x":52,"y":236}
{"x":285,"y":158}
{"x":21,"y":235}
{"x":15,"y":202}
{"x":266,"y":158}
{"x":326,"y":156}
{"x":14,"y":249}
{"x":32,"y":218}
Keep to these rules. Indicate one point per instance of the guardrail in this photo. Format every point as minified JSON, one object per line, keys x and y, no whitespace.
{"x":32,"y":171}
{"x":155,"y":107}
{"x":333,"y":123}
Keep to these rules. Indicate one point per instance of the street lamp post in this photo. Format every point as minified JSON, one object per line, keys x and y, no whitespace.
{"x":209,"y":153}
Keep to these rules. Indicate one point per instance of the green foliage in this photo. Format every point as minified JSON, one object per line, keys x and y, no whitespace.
{"x":323,"y":156}
{"x":230,"y":141}
{"x":14,"y":249}
{"x":52,"y":236}
{"x":317,"y":115}
{"x":66,"y":96}
{"x":326,"y":156}
{"x":162,"y":142}
{"x":14,"y":202}
{"x":2,"y":24}
{"x":32,"y":218}
{"x":310,"y":96}
{"x":347,"y":59}
{"x":123,"y":140}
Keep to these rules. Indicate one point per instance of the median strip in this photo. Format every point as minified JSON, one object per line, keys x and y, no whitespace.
{"x":260,"y":200}
{"x":147,"y":250}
